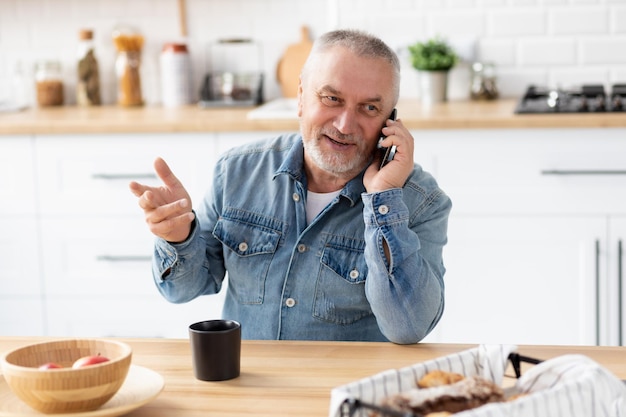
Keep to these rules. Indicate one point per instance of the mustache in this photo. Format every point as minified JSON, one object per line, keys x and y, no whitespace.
{"x":335,"y":134}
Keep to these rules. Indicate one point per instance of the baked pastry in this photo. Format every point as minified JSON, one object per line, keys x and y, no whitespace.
{"x":463,"y":395}
{"x":438,"y":378}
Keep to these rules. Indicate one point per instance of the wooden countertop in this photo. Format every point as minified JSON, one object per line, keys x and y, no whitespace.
{"x":287,"y":378}
{"x":114,"y":119}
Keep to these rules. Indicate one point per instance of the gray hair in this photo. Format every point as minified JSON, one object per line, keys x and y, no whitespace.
{"x":361,"y":44}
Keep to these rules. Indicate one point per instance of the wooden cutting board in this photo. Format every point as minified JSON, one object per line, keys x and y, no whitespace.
{"x":290,"y":65}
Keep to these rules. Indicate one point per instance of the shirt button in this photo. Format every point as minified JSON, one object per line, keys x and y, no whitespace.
{"x":243,"y":246}
{"x":290,"y":302}
{"x":383,"y":209}
{"x":301,"y":248}
{"x":354,"y":274}
{"x":296,"y":197}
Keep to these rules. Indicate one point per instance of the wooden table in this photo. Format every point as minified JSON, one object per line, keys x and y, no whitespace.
{"x":290,"y":378}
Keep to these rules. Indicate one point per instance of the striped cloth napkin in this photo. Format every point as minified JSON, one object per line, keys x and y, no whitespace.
{"x":568,"y":386}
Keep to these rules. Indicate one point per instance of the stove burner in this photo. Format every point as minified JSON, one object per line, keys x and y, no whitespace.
{"x":588,"y":99}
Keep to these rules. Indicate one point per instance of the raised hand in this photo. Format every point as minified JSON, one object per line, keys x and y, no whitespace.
{"x":167,"y":208}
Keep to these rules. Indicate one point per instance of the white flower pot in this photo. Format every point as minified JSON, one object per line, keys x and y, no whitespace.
{"x":433,"y":86}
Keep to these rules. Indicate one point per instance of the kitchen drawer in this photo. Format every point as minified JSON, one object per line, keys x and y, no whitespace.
{"x":90,"y":176}
{"x":21,"y":316}
{"x":530,"y":170}
{"x":97,"y":255}
{"x":126,"y":316}
{"x":19,"y":262}
{"x":17,"y":184}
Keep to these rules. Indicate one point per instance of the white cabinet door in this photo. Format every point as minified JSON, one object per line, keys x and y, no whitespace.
{"x":23,"y":316}
{"x":89,"y":175}
{"x":17,"y":184}
{"x":127,"y":316}
{"x":19,"y":257}
{"x":526,"y":171}
{"x":97,"y":256}
{"x":21,"y":308}
{"x":521,"y":280}
{"x":96,"y":247}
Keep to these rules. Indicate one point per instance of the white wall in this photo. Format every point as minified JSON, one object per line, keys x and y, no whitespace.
{"x":549,"y":42}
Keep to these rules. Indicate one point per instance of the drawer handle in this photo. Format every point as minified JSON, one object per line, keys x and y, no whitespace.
{"x":583,"y":172}
{"x":597,"y":289}
{"x":123,"y":258}
{"x":123,"y":176}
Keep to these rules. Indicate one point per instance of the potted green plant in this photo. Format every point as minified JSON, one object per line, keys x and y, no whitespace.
{"x":433,"y":60}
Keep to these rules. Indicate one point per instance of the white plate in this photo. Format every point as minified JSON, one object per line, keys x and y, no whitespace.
{"x":141,"y":386}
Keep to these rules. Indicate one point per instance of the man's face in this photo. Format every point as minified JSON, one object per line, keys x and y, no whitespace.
{"x":343,"y":103}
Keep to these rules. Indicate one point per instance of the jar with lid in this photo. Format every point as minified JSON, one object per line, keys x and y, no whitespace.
{"x":49,"y":83}
{"x":128,"y":43}
{"x":88,"y":83}
{"x":483,"y":81}
{"x":175,"y":75}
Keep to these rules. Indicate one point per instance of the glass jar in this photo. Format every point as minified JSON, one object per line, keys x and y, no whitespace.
{"x":88,"y":83}
{"x":483,"y":81}
{"x":49,"y":83}
{"x":127,"y":66}
{"x":128,"y":44}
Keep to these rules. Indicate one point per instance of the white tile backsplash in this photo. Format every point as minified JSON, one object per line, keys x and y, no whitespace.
{"x":530,"y":41}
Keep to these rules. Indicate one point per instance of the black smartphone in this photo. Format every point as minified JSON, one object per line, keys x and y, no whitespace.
{"x":387,"y":154}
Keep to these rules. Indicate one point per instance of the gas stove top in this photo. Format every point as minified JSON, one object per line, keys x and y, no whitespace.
{"x":586,"y":99}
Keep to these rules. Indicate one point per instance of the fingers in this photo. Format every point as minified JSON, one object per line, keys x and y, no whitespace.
{"x":156,"y":213}
{"x":174,"y":229}
{"x":171,"y":222}
{"x":167,"y":208}
{"x":399,"y":136}
{"x":165,"y":173}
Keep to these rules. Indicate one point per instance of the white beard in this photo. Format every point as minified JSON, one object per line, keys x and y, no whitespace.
{"x":335,"y":163}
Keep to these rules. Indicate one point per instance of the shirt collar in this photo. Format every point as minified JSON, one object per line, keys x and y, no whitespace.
{"x":293,"y":165}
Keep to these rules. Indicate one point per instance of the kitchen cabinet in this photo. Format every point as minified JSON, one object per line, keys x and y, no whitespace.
{"x":83,"y":237}
{"x":537,"y":216}
{"x":20,"y":280}
{"x":95,"y":246}
{"x":534,"y":236}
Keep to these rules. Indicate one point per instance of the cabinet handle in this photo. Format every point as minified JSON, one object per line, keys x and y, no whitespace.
{"x":123,"y":258}
{"x":122,"y":176}
{"x":620,"y":300}
{"x":583,"y":172}
{"x":597,"y":277}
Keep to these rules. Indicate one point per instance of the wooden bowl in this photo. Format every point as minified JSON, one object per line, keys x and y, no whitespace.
{"x":66,"y":390}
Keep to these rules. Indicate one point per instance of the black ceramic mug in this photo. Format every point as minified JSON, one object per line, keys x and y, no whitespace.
{"x":215,"y":349}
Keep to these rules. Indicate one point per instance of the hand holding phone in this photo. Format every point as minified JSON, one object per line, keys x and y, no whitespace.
{"x":387,"y":154}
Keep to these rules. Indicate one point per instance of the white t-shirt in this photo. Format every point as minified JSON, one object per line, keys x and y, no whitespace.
{"x":316,"y":202}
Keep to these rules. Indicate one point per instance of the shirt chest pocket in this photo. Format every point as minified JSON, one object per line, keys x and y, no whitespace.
{"x":340,"y":287}
{"x":250,"y":241}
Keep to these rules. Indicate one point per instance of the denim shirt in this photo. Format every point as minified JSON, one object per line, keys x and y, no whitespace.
{"x":327,"y":280}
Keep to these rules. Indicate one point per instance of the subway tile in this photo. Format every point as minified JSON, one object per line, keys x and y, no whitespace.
{"x":546,"y":51}
{"x":603,"y":50}
{"x":618,"y":20}
{"x":577,"y":76}
{"x":499,"y":51}
{"x":578,"y":20}
{"x":455,"y":22}
{"x":516,"y":22}
{"x":513,"y":82}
